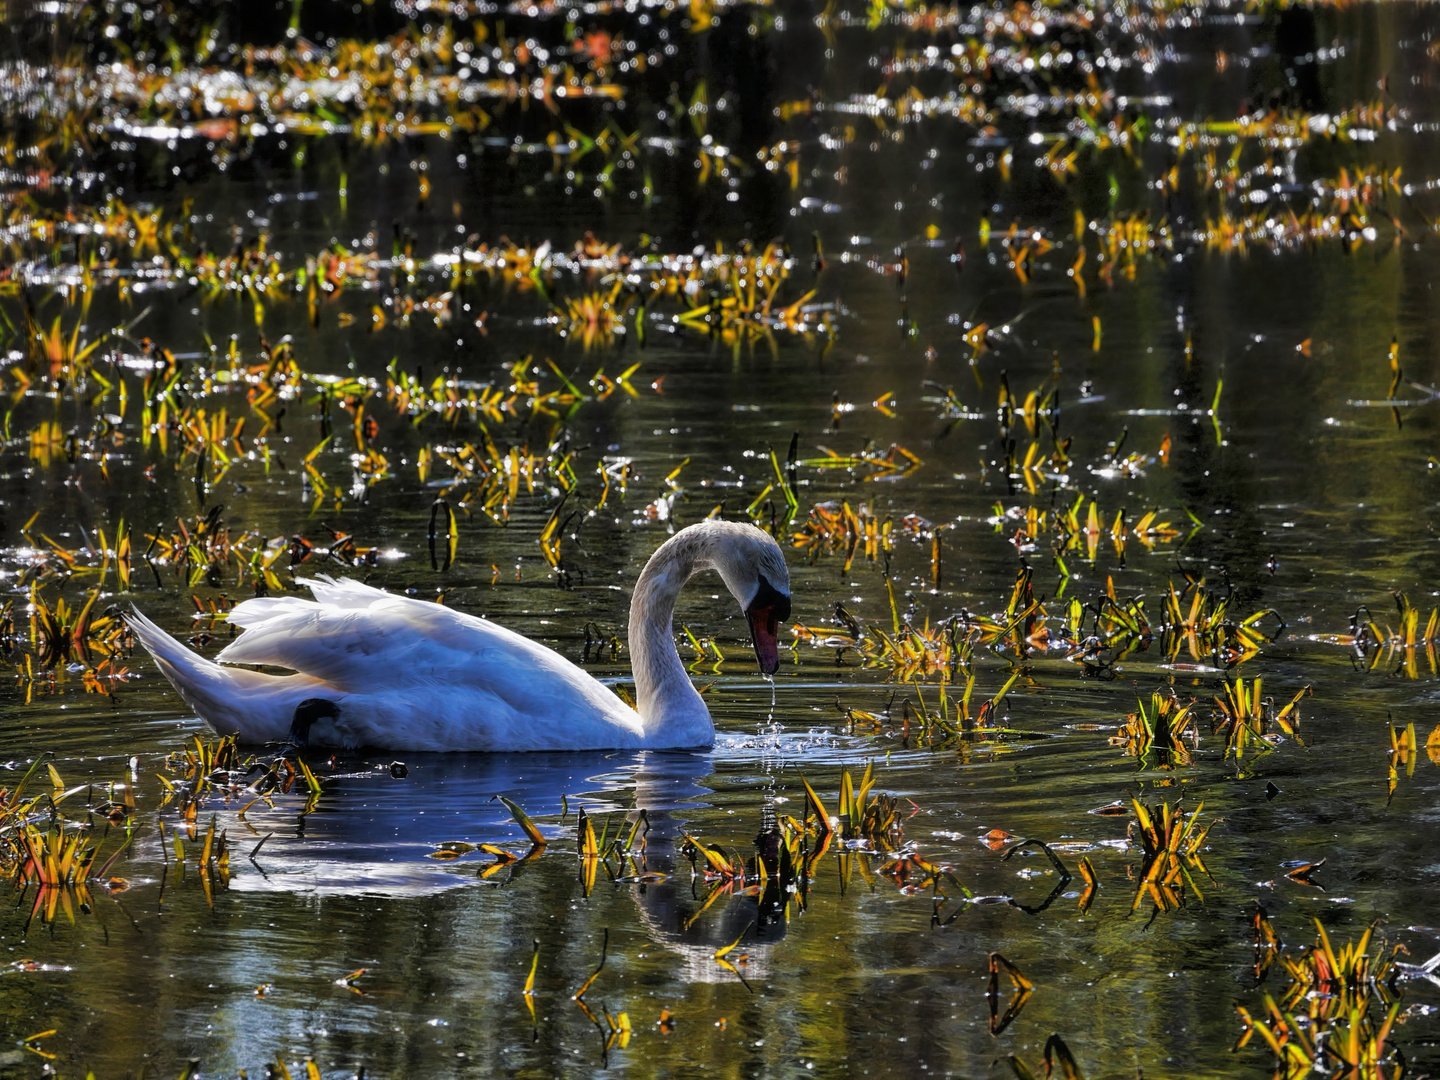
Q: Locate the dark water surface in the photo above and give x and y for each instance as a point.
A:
(1311, 490)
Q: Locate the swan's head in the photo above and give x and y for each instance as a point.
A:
(753, 567)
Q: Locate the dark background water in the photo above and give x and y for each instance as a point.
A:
(1315, 497)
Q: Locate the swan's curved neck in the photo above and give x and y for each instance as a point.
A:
(671, 711)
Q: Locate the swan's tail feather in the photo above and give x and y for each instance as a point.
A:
(259, 707)
(182, 666)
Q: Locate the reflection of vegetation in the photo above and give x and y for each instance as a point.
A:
(1243, 717)
(1400, 646)
(1333, 993)
(56, 854)
(1163, 727)
(865, 838)
(65, 634)
(1057, 1059)
(1171, 841)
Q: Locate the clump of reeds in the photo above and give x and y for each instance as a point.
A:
(1164, 727)
(1324, 1018)
(1171, 841)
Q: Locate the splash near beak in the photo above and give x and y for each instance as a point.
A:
(766, 612)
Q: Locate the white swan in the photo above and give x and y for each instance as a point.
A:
(394, 673)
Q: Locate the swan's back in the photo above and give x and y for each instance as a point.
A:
(450, 679)
(354, 636)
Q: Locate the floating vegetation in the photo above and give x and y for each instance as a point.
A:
(371, 91)
(63, 634)
(866, 836)
(831, 527)
(1163, 729)
(1025, 627)
(895, 463)
(478, 300)
(1243, 718)
(1171, 840)
(1327, 1015)
(1404, 751)
(735, 295)
(218, 770)
(43, 847)
(1401, 646)
(875, 822)
(1205, 626)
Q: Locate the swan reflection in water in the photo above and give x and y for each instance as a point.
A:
(374, 833)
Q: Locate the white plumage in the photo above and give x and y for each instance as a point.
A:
(397, 673)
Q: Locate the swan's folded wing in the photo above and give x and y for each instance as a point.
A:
(391, 640)
(344, 592)
(276, 616)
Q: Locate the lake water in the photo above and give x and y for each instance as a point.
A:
(330, 239)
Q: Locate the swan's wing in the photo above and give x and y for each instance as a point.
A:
(358, 637)
(344, 592)
(278, 613)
